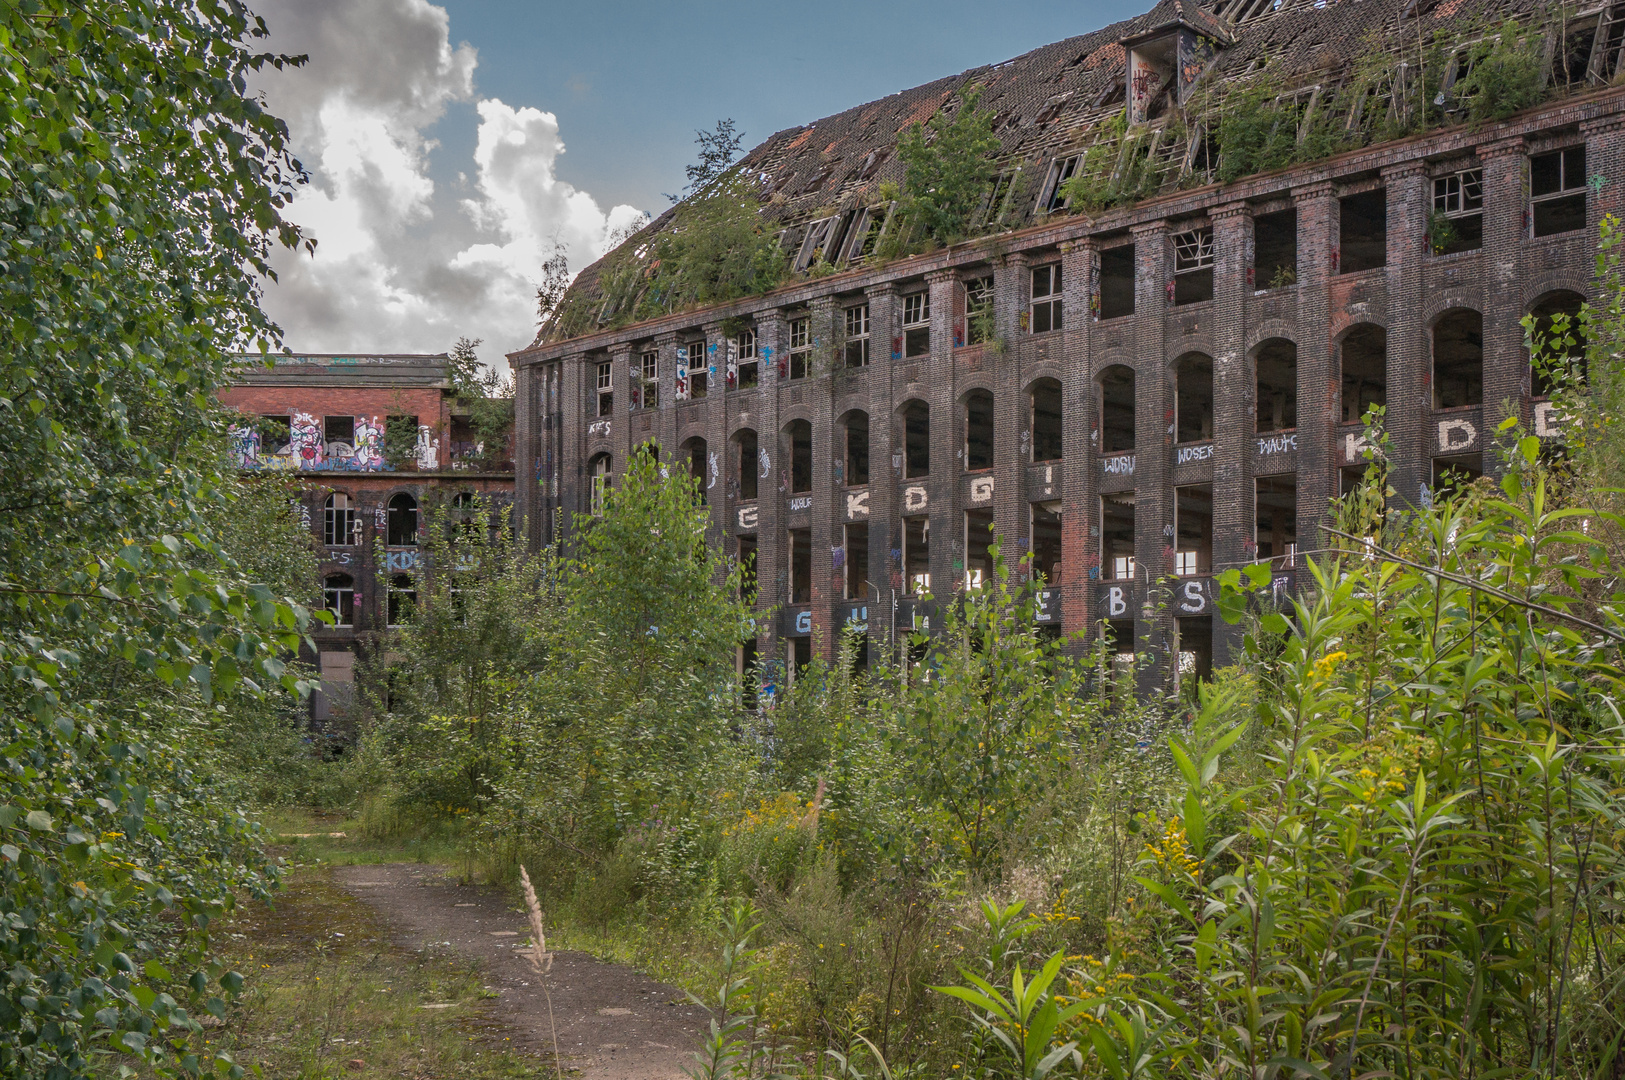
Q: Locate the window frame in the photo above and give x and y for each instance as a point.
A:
(606, 388)
(800, 351)
(1064, 169)
(699, 368)
(394, 615)
(646, 394)
(334, 599)
(748, 372)
(1044, 307)
(980, 293)
(1563, 192)
(1193, 250)
(1441, 199)
(917, 324)
(340, 521)
(857, 339)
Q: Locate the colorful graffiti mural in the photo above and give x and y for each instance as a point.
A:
(307, 451)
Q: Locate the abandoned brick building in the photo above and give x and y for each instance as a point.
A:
(1135, 391)
(375, 441)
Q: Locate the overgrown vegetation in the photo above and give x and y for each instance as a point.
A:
(949, 166)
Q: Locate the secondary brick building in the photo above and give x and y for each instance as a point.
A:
(1135, 397)
(375, 441)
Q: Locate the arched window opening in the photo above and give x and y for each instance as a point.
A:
(1458, 360)
(402, 602)
(339, 596)
(1046, 401)
(855, 432)
(1193, 374)
(1365, 371)
(401, 521)
(747, 467)
(799, 434)
(1557, 334)
(341, 525)
(978, 430)
(598, 474)
(695, 451)
(1116, 410)
(1277, 362)
(916, 439)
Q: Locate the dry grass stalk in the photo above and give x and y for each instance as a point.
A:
(541, 959)
(810, 822)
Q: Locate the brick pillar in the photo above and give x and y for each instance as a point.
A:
(947, 524)
(1012, 415)
(573, 440)
(1605, 167)
(772, 563)
(621, 434)
(1234, 390)
(526, 454)
(1410, 375)
(826, 534)
(1080, 547)
(715, 482)
(664, 432)
(1506, 362)
(884, 570)
(1318, 384)
(1153, 446)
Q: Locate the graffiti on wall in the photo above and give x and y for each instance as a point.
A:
(308, 451)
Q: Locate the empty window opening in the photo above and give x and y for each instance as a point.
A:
(1275, 514)
(694, 451)
(1047, 427)
(1193, 266)
(979, 325)
(606, 390)
(857, 336)
(855, 545)
(339, 597)
(464, 520)
(798, 653)
(401, 519)
(698, 370)
(401, 602)
(916, 439)
(598, 486)
(799, 434)
(1065, 168)
(1195, 648)
(749, 371)
(1044, 314)
(1117, 638)
(978, 430)
(856, 434)
(800, 347)
(917, 324)
(916, 555)
(1193, 530)
(1451, 476)
(1117, 536)
(1458, 360)
(747, 468)
(1349, 480)
(1557, 333)
(341, 525)
(978, 548)
(1117, 410)
(1362, 223)
(1365, 371)
(1457, 222)
(1557, 191)
(646, 380)
(746, 665)
(1275, 250)
(747, 569)
(1277, 385)
(800, 566)
(1194, 376)
(1117, 282)
(1046, 533)
(338, 429)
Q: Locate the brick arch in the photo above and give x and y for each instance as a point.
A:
(744, 422)
(1450, 300)
(1268, 330)
(793, 413)
(1115, 358)
(911, 392)
(1042, 371)
(1341, 328)
(849, 403)
(1197, 343)
(981, 382)
(1168, 364)
(693, 430)
(1556, 281)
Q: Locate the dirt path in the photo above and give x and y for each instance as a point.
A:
(613, 1022)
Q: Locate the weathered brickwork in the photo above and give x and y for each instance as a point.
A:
(1367, 316)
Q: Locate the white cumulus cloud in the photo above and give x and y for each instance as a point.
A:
(403, 264)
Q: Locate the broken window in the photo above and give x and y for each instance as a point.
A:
(819, 235)
(1365, 371)
(401, 520)
(1117, 282)
(401, 602)
(1116, 409)
(857, 336)
(856, 431)
(916, 439)
(800, 566)
(1046, 533)
(978, 310)
(978, 548)
(800, 347)
(1062, 171)
(464, 519)
(338, 429)
(1458, 359)
(978, 430)
(748, 374)
(338, 593)
(1193, 266)
(865, 233)
(855, 549)
(1117, 536)
(606, 390)
(1193, 374)
(745, 463)
(916, 324)
(646, 394)
(1046, 397)
(916, 555)
(1558, 332)
(1362, 231)
(1277, 361)
(1275, 250)
(698, 383)
(1003, 185)
(1275, 516)
(747, 569)
(1193, 530)
(1457, 223)
(799, 434)
(341, 525)
(1557, 191)
(1045, 312)
(598, 479)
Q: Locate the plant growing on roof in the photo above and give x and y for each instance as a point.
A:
(718, 250)
(1505, 74)
(949, 166)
